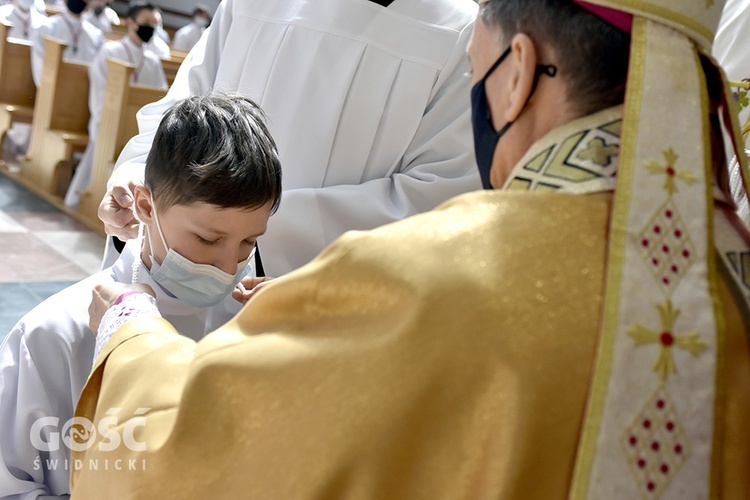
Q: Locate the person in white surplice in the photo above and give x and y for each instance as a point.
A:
(24, 17)
(233, 185)
(141, 23)
(101, 15)
(186, 37)
(83, 38)
(368, 103)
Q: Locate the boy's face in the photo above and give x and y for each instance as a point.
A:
(202, 233)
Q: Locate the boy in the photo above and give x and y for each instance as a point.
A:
(212, 181)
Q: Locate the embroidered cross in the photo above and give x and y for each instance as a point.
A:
(690, 342)
(598, 152)
(671, 173)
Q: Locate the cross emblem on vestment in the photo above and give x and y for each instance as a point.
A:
(689, 342)
(598, 152)
(671, 173)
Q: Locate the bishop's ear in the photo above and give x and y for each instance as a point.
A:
(523, 62)
(143, 205)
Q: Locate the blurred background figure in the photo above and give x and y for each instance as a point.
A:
(187, 37)
(101, 15)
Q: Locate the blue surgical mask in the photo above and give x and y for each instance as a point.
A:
(197, 285)
(485, 135)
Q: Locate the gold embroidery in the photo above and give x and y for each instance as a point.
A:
(690, 342)
(598, 152)
(671, 173)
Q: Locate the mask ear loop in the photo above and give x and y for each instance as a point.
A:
(158, 225)
(541, 69)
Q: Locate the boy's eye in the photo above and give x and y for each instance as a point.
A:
(205, 241)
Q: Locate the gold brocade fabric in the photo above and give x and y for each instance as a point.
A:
(445, 356)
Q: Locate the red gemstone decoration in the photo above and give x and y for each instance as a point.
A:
(675, 269)
(670, 426)
(665, 249)
(660, 403)
(647, 424)
(669, 214)
(655, 261)
(677, 233)
(686, 253)
(655, 445)
(657, 229)
(650, 486)
(664, 468)
(667, 339)
(670, 171)
(641, 463)
(665, 280)
(644, 242)
(633, 440)
(678, 449)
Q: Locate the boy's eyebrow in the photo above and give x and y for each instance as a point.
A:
(222, 233)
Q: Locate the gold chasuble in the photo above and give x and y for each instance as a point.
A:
(447, 356)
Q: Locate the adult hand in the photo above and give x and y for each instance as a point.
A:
(248, 287)
(116, 211)
(104, 296)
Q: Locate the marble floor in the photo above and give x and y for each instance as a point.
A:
(42, 251)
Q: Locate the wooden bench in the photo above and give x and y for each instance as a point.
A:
(17, 90)
(122, 100)
(59, 127)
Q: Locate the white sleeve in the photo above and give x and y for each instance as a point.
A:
(196, 76)
(438, 164)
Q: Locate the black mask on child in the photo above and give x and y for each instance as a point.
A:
(145, 33)
(98, 10)
(76, 6)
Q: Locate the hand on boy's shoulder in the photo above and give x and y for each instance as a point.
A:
(248, 287)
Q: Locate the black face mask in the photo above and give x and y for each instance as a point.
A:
(98, 10)
(485, 135)
(145, 33)
(76, 6)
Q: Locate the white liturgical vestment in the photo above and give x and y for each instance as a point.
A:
(186, 37)
(44, 363)
(24, 24)
(369, 107)
(83, 39)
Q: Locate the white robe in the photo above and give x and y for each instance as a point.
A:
(149, 72)
(369, 107)
(186, 37)
(732, 50)
(44, 364)
(159, 47)
(65, 27)
(104, 21)
(24, 23)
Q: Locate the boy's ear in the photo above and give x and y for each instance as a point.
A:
(144, 210)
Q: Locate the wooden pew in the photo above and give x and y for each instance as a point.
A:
(59, 127)
(122, 100)
(17, 90)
